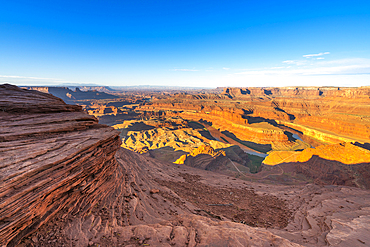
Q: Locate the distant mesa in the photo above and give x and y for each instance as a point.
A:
(68, 95)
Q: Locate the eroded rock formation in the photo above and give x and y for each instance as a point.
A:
(327, 114)
(345, 153)
(52, 154)
(69, 95)
(204, 157)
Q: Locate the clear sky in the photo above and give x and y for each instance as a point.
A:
(185, 43)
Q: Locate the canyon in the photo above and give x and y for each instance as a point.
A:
(284, 127)
(223, 167)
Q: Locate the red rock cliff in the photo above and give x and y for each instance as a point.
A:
(51, 155)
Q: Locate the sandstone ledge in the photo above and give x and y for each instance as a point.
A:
(51, 154)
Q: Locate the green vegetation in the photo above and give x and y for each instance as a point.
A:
(201, 129)
(224, 139)
(255, 163)
(263, 148)
(196, 125)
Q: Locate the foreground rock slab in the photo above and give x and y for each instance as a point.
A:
(51, 155)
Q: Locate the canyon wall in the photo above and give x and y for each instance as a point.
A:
(228, 120)
(326, 114)
(68, 95)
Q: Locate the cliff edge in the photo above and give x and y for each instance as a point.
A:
(51, 155)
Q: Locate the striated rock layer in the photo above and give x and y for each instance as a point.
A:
(326, 114)
(51, 155)
(345, 153)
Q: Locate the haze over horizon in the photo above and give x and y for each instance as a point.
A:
(192, 43)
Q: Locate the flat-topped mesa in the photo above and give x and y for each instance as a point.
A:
(348, 92)
(51, 155)
(67, 94)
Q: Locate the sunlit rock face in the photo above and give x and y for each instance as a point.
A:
(345, 153)
(52, 155)
(327, 114)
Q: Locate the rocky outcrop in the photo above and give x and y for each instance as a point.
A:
(323, 171)
(14, 100)
(206, 149)
(185, 139)
(340, 164)
(345, 153)
(104, 110)
(52, 155)
(203, 157)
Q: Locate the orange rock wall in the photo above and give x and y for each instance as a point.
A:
(341, 111)
(244, 132)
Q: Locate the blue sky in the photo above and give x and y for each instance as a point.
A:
(185, 43)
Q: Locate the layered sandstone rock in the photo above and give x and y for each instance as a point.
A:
(263, 133)
(340, 164)
(180, 139)
(51, 155)
(345, 153)
(202, 157)
(206, 149)
(323, 114)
